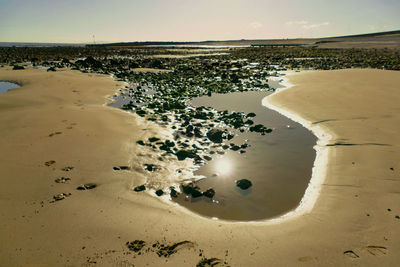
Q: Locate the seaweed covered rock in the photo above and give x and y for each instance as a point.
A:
(139, 188)
(243, 184)
(215, 135)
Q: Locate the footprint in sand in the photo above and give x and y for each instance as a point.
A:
(376, 250)
(372, 250)
(351, 254)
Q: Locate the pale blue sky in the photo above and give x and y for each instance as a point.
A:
(187, 20)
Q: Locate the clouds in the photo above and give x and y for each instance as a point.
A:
(255, 24)
(307, 25)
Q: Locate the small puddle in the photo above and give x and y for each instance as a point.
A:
(5, 86)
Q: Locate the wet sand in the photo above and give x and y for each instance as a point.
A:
(352, 223)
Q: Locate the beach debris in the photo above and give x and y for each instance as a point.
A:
(67, 168)
(204, 262)
(159, 192)
(351, 254)
(62, 180)
(139, 188)
(61, 196)
(49, 163)
(243, 184)
(87, 186)
(166, 251)
(135, 245)
(215, 135)
(209, 193)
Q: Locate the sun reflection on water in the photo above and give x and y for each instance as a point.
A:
(223, 166)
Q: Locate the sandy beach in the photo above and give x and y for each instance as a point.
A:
(62, 117)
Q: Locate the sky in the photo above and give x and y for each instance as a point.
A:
(88, 21)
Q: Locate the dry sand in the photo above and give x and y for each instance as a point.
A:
(359, 107)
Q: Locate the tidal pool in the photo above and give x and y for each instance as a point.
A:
(279, 165)
(5, 86)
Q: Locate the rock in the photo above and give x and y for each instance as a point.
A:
(150, 167)
(208, 158)
(86, 186)
(153, 139)
(159, 192)
(62, 180)
(124, 168)
(215, 135)
(49, 163)
(140, 142)
(251, 114)
(51, 69)
(243, 184)
(190, 189)
(209, 193)
(67, 169)
(173, 193)
(183, 154)
(136, 245)
(235, 148)
(61, 196)
(139, 188)
(18, 67)
(116, 169)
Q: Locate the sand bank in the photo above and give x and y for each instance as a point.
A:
(351, 223)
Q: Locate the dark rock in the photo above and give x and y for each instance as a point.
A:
(18, 67)
(209, 193)
(183, 154)
(51, 69)
(251, 114)
(136, 245)
(62, 180)
(116, 169)
(159, 192)
(207, 157)
(215, 135)
(86, 186)
(243, 184)
(139, 188)
(140, 142)
(153, 139)
(173, 193)
(49, 163)
(124, 168)
(191, 189)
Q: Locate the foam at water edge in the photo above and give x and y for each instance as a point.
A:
(318, 171)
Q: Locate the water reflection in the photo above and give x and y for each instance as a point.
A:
(278, 164)
(223, 166)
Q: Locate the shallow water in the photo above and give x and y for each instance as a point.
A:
(5, 86)
(278, 164)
